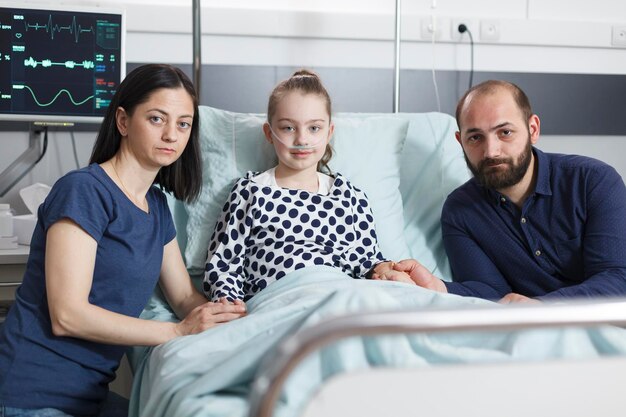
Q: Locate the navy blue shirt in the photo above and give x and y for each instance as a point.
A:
(39, 369)
(568, 239)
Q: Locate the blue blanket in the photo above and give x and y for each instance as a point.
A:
(209, 374)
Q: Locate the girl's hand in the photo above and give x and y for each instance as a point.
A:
(380, 269)
(397, 276)
(209, 315)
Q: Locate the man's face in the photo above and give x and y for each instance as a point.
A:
(496, 140)
(501, 173)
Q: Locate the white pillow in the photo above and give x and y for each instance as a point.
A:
(432, 166)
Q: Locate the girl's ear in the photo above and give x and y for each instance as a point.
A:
(331, 130)
(267, 132)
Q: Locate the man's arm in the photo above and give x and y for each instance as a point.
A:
(473, 271)
(604, 239)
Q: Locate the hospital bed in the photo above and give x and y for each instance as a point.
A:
(444, 350)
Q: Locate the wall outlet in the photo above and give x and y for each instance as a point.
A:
(619, 36)
(430, 26)
(489, 30)
(457, 36)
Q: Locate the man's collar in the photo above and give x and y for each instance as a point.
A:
(543, 173)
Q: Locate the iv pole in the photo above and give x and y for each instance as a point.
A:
(197, 40)
(396, 72)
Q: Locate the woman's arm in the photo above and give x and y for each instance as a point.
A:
(70, 260)
(180, 293)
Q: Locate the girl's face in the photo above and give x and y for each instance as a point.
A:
(158, 130)
(301, 120)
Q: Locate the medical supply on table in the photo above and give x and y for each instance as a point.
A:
(24, 224)
(7, 239)
(6, 220)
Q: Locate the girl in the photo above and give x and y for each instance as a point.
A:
(104, 238)
(292, 215)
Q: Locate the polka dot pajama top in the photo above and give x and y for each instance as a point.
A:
(265, 232)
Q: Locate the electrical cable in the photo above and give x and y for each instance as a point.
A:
(434, 31)
(462, 29)
(45, 145)
(74, 149)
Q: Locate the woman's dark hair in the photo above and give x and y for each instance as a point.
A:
(183, 178)
(309, 83)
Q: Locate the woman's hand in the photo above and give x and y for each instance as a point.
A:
(209, 315)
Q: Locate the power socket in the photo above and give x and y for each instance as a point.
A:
(456, 36)
(489, 30)
(619, 36)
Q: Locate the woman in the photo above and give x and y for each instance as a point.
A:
(104, 238)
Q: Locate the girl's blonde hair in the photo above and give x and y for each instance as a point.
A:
(308, 83)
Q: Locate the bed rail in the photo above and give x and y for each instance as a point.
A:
(274, 371)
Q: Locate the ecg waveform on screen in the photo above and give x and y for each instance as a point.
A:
(40, 104)
(46, 63)
(74, 28)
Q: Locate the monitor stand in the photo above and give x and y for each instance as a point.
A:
(23, 163)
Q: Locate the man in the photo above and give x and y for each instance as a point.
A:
(530, 225)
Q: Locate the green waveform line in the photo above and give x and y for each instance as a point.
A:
(50, 28)
(46, 63)
(76, 103)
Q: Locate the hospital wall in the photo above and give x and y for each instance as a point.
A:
(561, 52)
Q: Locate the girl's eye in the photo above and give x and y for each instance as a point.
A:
(315, 129)
(184, 125)
(156, 119)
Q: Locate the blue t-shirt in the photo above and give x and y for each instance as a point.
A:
(38, 369)
(567, 240)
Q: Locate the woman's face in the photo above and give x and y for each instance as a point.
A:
(300, 130)
(158, 130)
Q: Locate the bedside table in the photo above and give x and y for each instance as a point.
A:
(12, 267)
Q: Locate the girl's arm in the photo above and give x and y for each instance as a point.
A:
(70, 260)
(225, 273)
(370, 255)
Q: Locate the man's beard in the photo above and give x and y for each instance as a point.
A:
(499, 178)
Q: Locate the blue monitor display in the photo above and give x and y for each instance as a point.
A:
(59, 65)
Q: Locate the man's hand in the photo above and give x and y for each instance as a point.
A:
(516, 298)
(420, 275)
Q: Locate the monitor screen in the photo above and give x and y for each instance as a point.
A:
(59, 64)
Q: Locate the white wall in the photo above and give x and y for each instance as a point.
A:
(553, 36)
(535, 35)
